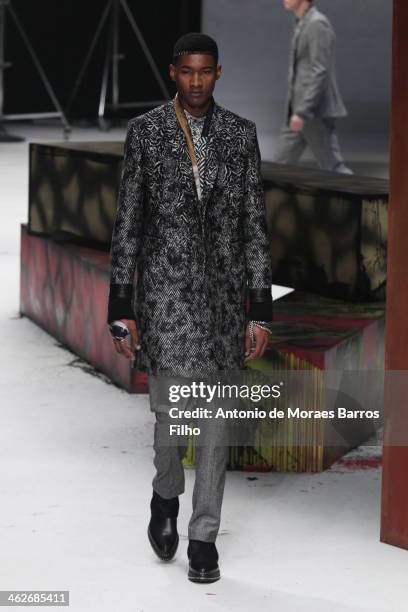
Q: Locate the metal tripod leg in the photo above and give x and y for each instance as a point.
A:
(146, 50)
(115, 55)
(43, 76)
(89, 54)
(103, 124)
(112, 58)
(4, 135)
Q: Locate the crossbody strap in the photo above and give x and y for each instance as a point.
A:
(189, 139)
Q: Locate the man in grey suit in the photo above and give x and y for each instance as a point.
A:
(314, 101)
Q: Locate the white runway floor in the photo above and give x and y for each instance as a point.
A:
(75, 485)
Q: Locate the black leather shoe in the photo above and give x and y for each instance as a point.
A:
(162, 530)
(203, 557)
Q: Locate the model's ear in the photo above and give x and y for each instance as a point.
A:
(219, 70)
(172, 72)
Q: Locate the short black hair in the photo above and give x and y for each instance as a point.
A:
(195, 43)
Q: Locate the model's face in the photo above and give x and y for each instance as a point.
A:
(292, 5)
(195, 76)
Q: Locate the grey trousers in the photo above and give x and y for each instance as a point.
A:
(210, 467)
(321, 137)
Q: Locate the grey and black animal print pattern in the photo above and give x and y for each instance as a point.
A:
(196, 260)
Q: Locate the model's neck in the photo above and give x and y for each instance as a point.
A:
(301, 10)
(199, 111)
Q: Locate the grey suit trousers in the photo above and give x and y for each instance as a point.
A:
(321, 137)
(211, 455)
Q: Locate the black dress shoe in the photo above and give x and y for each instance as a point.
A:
(203, 557)
(162, 530)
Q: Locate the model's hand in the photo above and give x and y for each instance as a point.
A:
(261, 342)
(296, 123)
(126, 348)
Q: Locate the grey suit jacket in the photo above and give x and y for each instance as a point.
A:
(313, 90)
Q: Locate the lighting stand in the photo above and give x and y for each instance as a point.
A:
(112, 59)
(5, 5)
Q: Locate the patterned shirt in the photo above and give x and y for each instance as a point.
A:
(196, 125)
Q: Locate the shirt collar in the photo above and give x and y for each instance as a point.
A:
(300, 19)
(208, 118)
(198, 120)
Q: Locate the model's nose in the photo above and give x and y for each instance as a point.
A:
(196, 80)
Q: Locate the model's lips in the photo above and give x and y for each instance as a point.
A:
(196, 94)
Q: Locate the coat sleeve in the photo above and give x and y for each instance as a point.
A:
(127, 229)
(256, 243)
(321, 45)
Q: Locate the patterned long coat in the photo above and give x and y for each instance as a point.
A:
(196, 260)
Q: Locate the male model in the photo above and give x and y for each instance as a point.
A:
(313, 101)
(191, 220)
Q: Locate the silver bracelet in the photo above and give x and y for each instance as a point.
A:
(262, 325)
(251, 336)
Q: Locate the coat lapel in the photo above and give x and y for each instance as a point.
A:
(307, 18)
(176, 144)
(176, 147)
(212, 159)
(176, 151)
(300, 26)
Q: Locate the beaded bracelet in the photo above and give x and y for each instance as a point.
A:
(261, 325)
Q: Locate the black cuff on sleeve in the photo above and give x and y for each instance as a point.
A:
(260, 305)
(120, 303)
